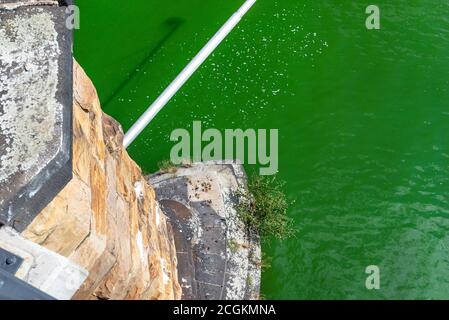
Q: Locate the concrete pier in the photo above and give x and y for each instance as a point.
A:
(35, 107)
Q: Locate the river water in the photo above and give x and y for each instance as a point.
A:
(363, 119)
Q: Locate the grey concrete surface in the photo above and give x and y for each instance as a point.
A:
(45, 270)
(35, 108)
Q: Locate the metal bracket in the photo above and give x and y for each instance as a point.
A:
(9, 262)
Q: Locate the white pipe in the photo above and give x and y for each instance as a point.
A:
(188, 71)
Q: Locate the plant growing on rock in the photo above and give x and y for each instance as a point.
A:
(263, 207)
(166, 166)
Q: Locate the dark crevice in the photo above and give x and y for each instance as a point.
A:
(65, 3)
(174, 24)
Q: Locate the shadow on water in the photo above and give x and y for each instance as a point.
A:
(173, 24)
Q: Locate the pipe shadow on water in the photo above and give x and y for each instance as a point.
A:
(173, 23)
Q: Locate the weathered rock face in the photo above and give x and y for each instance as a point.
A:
(107, 219)
(218, 257)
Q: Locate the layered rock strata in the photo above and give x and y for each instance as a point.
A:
(107, 219)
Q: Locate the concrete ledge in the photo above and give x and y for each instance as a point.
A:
(35, 108)
(46, 270)
(14, 4)
(218, 258)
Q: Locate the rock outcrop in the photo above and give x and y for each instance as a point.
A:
(218, 257)
(107, 219)
(35, 107)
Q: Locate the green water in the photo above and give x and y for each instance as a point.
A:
(363, 119)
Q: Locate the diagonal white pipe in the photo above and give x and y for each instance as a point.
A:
(185, 74)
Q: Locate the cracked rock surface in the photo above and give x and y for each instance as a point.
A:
(218, 258)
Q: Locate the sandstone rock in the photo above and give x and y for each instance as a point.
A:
(44, 269)
(107, 219)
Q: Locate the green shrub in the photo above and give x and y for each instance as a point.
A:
(265, 262)
(166, 166)
(263, 207)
